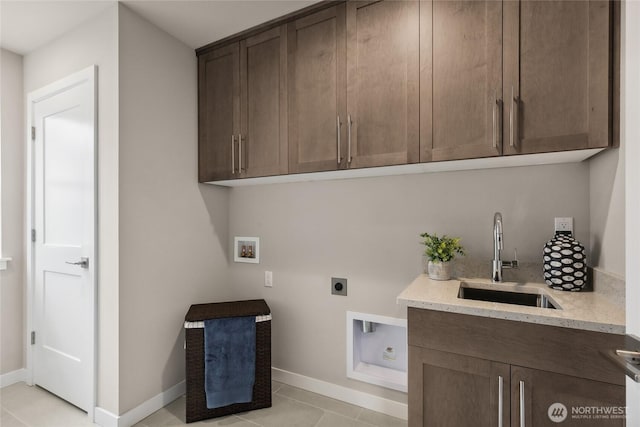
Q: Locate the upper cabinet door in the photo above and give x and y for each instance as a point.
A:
(262, 150)
(557, 76)
(317, 91)
(460, 79)
(218, 112)
(382, 83)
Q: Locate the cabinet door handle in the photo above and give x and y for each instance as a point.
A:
(522, 414)
(493, 122)
(500, 398)
(338, 126)
(240, 170)
(233, 154)
(514, 106)
(349, 139)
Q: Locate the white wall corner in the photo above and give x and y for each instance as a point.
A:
(17, 376)
(348, 395)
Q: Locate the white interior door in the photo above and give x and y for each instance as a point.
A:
(63, 115)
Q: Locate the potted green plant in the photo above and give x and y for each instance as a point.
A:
(440, 251)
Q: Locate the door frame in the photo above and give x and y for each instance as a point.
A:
(90, 75)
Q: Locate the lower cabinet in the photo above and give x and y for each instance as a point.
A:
(541, 398)
(474, 371)
(448, 389)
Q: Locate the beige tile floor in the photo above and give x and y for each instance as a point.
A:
(24, 406)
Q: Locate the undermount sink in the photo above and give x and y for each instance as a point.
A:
(481, 292)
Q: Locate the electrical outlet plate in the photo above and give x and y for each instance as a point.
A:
(338, 286)
(268, 279)
(564, 224)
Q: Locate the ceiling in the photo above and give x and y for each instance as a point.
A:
(26, 25)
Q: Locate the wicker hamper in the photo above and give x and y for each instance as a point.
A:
(196, 405)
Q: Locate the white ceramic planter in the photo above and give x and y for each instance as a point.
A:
(439, 270)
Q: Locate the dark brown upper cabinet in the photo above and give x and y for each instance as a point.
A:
(218, 112)
(262, 147)
(557, 75)
(317, 91)
(242, 108)
(382, 83)
(460, 79)
(357, 84)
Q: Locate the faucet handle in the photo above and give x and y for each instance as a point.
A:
(511, 264)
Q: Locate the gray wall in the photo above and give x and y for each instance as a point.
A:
(95, 42)
(367, 230)
(13, 157)
(607, 202)
(173, 232)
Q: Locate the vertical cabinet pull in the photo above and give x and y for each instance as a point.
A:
(500, 398)
(349, 139)
(338, 125)
(514, 106)
(495, 103)
(239, 153)
(522, 414)
(233, 154)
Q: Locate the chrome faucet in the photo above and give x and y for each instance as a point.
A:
(497, 263)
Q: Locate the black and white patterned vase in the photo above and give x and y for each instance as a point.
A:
(564, 263)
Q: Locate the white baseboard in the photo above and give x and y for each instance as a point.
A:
(105, 418)
(19, 375)
(355, 397)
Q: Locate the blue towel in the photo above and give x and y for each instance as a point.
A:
(229, 360)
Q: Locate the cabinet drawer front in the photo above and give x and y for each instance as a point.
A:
(562, 350)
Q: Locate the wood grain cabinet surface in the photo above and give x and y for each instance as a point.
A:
(460, 79)
(218, 112)
(382, 83)
(557, 75)
(359, 84)
(581, 400)
(474, 371)
(317, 91)
(353, 91)
(242, 104)
(456, 390)
(514, 77)
(262, 148)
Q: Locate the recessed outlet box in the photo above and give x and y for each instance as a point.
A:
(338, 286)
(564, 224)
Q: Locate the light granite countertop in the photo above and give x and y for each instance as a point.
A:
(593, 311)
